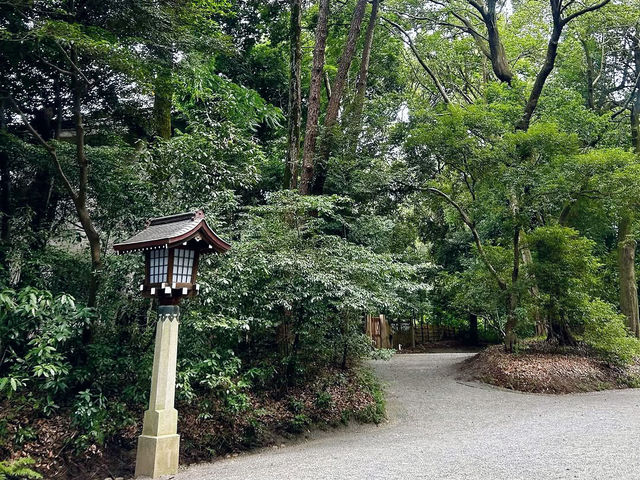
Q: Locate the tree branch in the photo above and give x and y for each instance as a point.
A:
(478, 7)
(50, 149)
(476, 237)
(583, 11)
(73, 64)
(426, 67)
(55, 67)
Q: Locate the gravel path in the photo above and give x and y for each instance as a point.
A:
(440, 428)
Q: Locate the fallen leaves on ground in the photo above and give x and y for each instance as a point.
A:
(540, 368)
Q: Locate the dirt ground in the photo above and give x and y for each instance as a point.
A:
(540, 369)
(442, 428)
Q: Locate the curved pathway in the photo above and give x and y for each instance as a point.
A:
(441, 428)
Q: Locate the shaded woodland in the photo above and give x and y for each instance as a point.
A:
(452, 160)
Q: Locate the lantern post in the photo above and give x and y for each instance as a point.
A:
(172, 246)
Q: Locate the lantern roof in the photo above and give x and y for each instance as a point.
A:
(173, 231)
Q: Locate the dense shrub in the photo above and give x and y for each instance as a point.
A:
(18, 470)
(605, 331)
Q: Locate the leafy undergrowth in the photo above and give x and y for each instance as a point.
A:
(539, 367)
(208, 430)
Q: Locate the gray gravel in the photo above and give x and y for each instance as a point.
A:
(441, 428)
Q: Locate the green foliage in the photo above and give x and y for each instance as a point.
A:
(40, 333)
(382, 354)
(294, 261)
(18, 469)
(564, 266)
(376, 412)
(605, 331)
(285, 306)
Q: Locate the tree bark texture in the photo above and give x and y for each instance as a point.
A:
(337, 90)
(162, 104)
(497, 54)
(541, 78)
(295, 96)
(559, 329)
(355, 118)
(627, 274)
(80, 199)
(635, 104)
(558, 8)
(313, 104)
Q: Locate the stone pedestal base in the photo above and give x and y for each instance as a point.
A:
(158, 446)
(157, 455)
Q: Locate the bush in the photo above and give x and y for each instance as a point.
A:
(382, 353)
(376, 412)
(606, 333)
(18, 470)
(40, 336)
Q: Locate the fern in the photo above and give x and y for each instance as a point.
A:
(18, 470)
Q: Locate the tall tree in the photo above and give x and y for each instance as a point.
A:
(561, 16)
(295, 96)
(497, 55)
(5, 186)
(313, 103)
(79, 194)
(634, 115)
(626, 242)
(627, 274)
(354, 119)
(337, 90)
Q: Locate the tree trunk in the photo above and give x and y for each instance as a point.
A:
(80, 200)
(512, 297)
(313, 104)
(57, 104)
(38, 197)
(295, 96)
(327, 85)
(5, 189)
(498, 56)
(337, 89)
(413, 332)
(627, 274)
(510, 338)
(355, 118)
(527, 259)
(559, 329)
(541, 78)
(626, 243)
(589, 74)
(635, 104)
(558, 8)
(473, 329)
(162, 103)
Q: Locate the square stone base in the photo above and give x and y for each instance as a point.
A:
(157, 455)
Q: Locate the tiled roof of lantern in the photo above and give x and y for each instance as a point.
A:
(172, 231)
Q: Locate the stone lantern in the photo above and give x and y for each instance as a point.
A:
(172, 246)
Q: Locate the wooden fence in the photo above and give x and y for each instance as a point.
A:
(422, 333)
